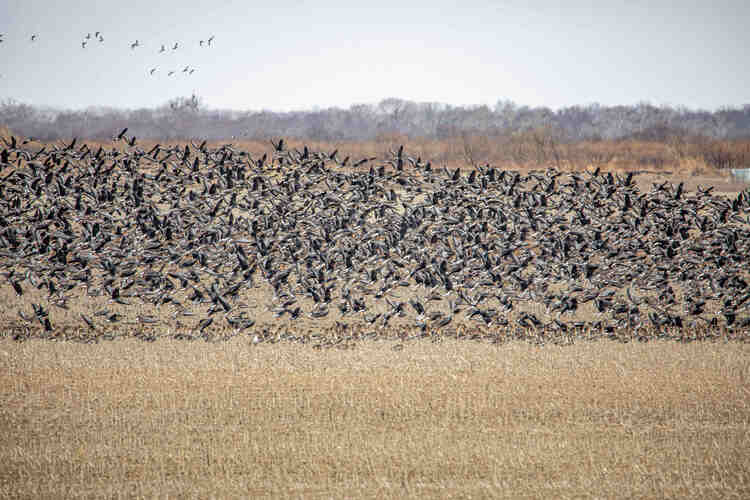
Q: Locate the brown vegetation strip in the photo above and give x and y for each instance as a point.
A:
(460, 419)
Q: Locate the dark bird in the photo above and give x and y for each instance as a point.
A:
(205, 323)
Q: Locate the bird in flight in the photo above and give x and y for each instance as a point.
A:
(135, 44)
(88, 36)
(170, 73)
(176, 44)
(210, 40)
(33, 38)
(153, 70)
(83, 44)
(191, 71)
(201, 43)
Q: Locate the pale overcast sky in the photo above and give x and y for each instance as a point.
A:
(297, 54)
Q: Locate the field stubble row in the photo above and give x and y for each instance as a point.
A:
(460, 419)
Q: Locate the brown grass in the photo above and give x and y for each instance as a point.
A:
(459, 419)
(383, 418)
(677, 154)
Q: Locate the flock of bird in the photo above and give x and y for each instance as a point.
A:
(191, 240)
(99, 37)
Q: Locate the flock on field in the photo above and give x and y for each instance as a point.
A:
(299, 245)
(89, 40)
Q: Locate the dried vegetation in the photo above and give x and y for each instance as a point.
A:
(331, 380)
(461, 419)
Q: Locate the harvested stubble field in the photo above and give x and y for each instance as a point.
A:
(366, 331)
(455, 419)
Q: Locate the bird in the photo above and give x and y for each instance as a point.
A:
(33, 38)
(210, 40)
(83, 44)
(205, 323)
(426, 251)
(162, 49)
(152, 71)
(170, 73)
(176, 44)
(135, 44)
(88, 321)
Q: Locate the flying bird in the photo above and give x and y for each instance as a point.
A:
(170, 73)
(33, 38)
(153, 70)
(210, 39)
(83, 44)
(135, 44)
(162, 49)
(176, 44)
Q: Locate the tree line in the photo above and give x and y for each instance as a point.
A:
(188, 118)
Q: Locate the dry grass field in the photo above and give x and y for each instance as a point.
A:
(318, 408)
(449, 420)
